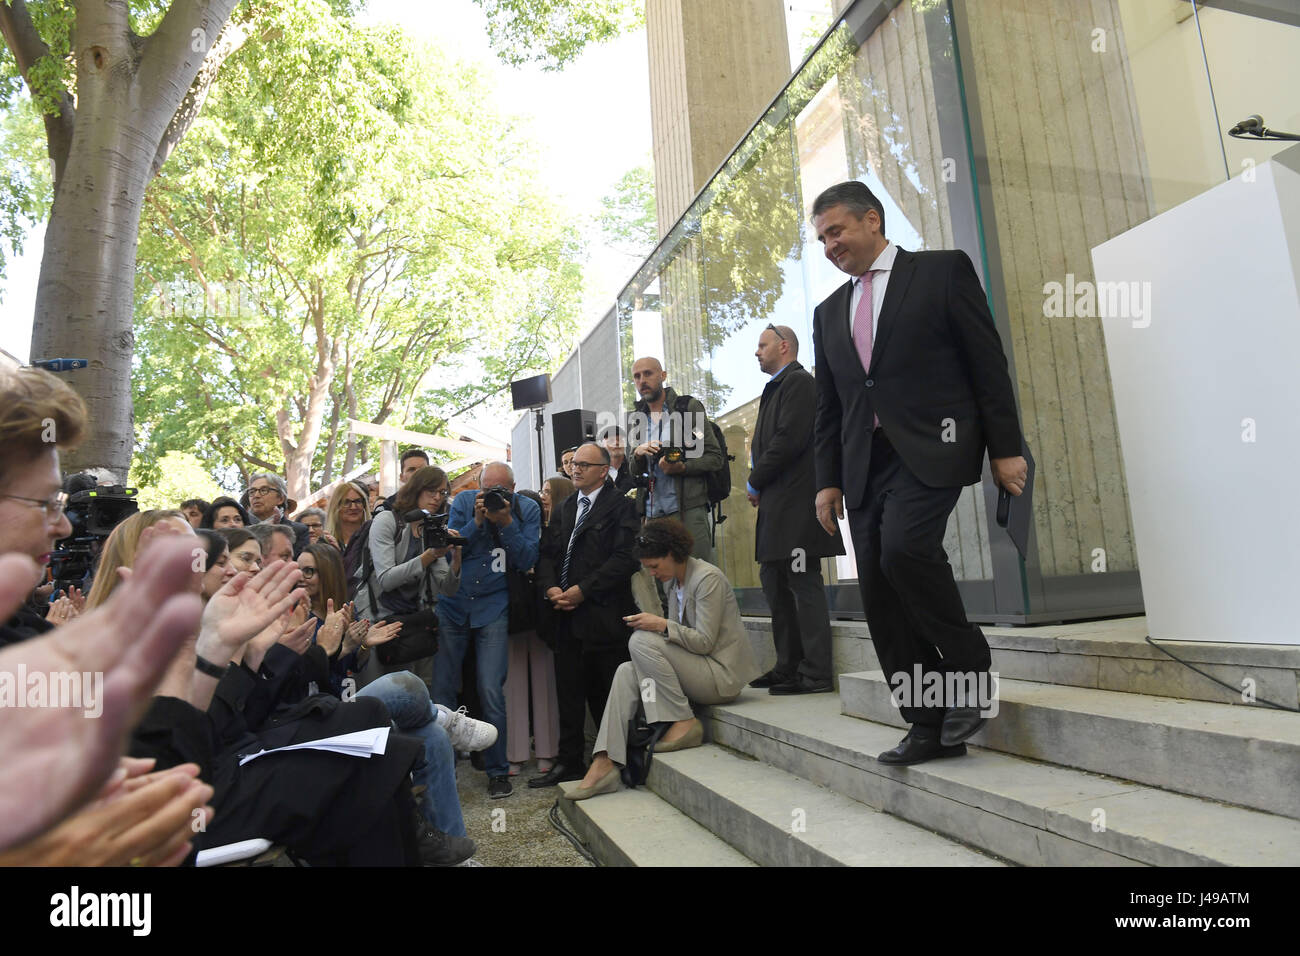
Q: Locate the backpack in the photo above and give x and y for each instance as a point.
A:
(718, 481)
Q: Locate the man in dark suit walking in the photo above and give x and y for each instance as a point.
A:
(585, 570)
(912, 387)
(788, 544)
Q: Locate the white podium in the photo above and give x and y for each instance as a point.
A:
(1207, 397)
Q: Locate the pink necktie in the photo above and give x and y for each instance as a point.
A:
(862, 328)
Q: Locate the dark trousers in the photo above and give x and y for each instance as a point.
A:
(801, 622)
(913, 608)
(583, 677)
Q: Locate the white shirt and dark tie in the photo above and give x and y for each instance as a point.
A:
(586, 501)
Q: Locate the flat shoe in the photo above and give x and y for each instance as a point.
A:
(606, 784)
(692, 738)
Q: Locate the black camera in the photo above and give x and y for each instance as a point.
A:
(93, 513)
(434, 533)
(497, 497)
(672, 454)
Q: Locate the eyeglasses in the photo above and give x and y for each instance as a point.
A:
(775, 331)
(53, 506)
(585, 464)
(261, 491)
(354, 502)
(308, 572)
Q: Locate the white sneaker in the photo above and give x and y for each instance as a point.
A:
(467, 734)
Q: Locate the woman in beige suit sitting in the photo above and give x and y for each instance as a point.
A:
(698, 653)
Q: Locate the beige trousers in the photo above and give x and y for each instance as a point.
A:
(665, 678)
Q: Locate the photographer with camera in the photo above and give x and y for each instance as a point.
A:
(502, 532)
(677, 452)
(409, 560)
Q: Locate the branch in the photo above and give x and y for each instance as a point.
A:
(231, 39)
(174, 56)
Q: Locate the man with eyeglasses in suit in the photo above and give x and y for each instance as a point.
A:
(585, 570)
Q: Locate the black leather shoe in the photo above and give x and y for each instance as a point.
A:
(920, 745)
(960, 723)
(802, 685)
(557, 775)
(768, 679)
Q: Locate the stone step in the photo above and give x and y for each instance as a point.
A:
(778, 819)
(1106, 655)
(637, 828)
(1238, 755)
(1026, 812)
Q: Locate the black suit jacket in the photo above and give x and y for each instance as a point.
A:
(783, 471)
(602, 566)
(938, 380)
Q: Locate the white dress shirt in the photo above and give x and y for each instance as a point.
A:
(880, 282)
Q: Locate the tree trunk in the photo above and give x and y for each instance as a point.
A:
(129, 91)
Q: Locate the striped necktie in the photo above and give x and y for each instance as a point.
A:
(583, 504)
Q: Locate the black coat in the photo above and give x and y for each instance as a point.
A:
(938, 379)
(602, 566)
(783, 471)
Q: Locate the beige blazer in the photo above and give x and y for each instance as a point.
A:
(712, 626)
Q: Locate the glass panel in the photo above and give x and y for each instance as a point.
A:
(745, 254)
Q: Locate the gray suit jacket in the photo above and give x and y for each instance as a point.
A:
(712, 626)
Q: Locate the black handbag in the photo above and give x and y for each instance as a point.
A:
(418, 637)
(641, 739)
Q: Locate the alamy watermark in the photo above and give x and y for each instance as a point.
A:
(1084, 299)
(62, 689)
(948, 689)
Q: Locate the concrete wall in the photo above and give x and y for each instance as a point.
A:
(1065, 161)
(714, 67)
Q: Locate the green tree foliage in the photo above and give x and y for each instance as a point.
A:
(628, 217)
(350, 230)
(171, 479)
(553, 33)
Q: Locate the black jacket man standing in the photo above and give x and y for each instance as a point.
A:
(788, 542)
(912, 387)
(585, 570)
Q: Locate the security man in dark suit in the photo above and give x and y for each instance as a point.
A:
(585, 571)
(789, 544)
(912, 387)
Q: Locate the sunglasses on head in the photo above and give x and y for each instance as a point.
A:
(775, 331)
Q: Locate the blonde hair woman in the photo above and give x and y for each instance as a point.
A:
(123, 545)
(348, 510)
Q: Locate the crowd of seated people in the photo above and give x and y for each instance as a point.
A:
(237, 626)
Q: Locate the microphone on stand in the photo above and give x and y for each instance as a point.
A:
(1251, 124)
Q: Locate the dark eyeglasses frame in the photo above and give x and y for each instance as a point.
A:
(775, 331)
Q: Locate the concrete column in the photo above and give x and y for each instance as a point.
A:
(714, 68)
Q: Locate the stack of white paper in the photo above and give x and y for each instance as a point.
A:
(361, 743)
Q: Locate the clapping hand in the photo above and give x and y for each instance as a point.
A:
(382, 633)
(355, 636)
(139, 818)
(244, 607)
(55, 758)
(61, 611)
(330, 635)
